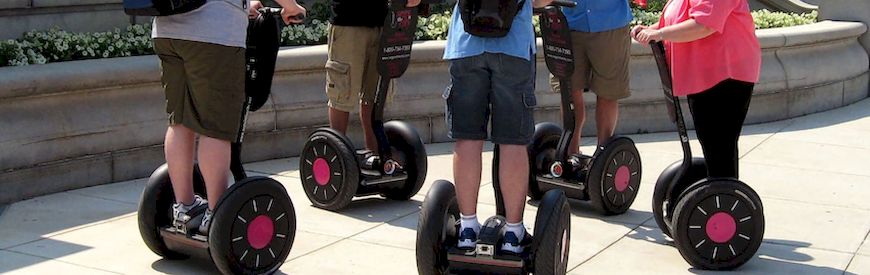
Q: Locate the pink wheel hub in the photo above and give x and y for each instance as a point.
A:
(321, 171)
(622, 178)
(721, 227)
(260, 232)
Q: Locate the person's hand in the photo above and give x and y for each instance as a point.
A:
(253, 10)
(646, 35)
(637, 29)
(290, 12)
(413, 3)
(542, 3)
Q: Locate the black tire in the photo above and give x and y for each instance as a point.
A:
(327, 147)
(155, 209)
(696, 172)
(436, 229)
(405, 139)
(614, 177)
(735, 217)
(253, 227)
(552, 236)
(542, 150)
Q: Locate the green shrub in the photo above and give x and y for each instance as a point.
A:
(38, 47)
(765, 19)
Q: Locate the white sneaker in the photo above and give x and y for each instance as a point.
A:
(180, 212)
(206, 223)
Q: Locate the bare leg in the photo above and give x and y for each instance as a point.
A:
(214, 162)
(365, 116)
(338, 120)
(178, 149)
(606, 116)
(579, 120)
(513, 176)
(466, 172)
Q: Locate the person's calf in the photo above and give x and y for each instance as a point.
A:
(513, 180)
(365, 116)
(338, 119)
(467, 166)
(606, 117)
(179, 151)
(214, 162)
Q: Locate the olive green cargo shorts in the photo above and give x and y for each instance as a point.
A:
(204, 85)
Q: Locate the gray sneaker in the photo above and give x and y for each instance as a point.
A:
(181, 213)
(206, 223)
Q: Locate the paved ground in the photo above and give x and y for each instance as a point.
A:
(812, 173)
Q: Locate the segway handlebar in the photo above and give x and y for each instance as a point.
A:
(564, 3)
(556, 3)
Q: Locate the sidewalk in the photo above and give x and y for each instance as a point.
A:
(812, 173)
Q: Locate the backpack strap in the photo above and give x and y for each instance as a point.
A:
(520, 6)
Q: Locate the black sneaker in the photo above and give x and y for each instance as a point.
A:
(467, 239)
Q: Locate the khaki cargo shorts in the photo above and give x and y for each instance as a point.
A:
(204, 85)
(600, 63)
(352, 67)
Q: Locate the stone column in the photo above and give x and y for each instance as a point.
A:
(848, 10)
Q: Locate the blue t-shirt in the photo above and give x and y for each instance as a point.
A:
(519, 42)
(598, 15)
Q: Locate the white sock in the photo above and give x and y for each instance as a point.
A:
(469, 222)
(517, 228)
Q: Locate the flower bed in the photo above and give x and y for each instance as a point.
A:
(39, 47)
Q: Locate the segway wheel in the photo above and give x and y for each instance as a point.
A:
(614, 177)
(552, 234)
(253, 227)
(696, 172)
(542, 150)
(405, 139)
(719, 225)
(155, 209)
(329, 171)
(436, 229)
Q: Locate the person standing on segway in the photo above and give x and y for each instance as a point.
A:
(491, 75)
(202, 54)
(602, 50)
(351, 67)
(715, 59)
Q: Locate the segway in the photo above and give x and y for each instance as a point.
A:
(609, 179)
(716, 223)
(437, 235)
(254, 222)
(333, 172)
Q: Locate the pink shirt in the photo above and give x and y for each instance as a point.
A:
(732, 51)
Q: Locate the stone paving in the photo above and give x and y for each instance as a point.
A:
(812, 173)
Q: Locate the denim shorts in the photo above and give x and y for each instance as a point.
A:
(496, 85)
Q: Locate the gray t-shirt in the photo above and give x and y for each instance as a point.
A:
(223, 22)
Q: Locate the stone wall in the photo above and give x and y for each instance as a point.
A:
(19, 16)
(82, 123)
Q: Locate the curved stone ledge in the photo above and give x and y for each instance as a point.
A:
(75, 124)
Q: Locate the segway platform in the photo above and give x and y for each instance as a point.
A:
(253, 225)
(609, 178)
(545, 253)
(333, 172)
(716, 223)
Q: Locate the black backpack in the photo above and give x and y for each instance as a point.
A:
(160, 7)
(489, 18)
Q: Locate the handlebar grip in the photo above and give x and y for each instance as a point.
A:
(564, 3)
